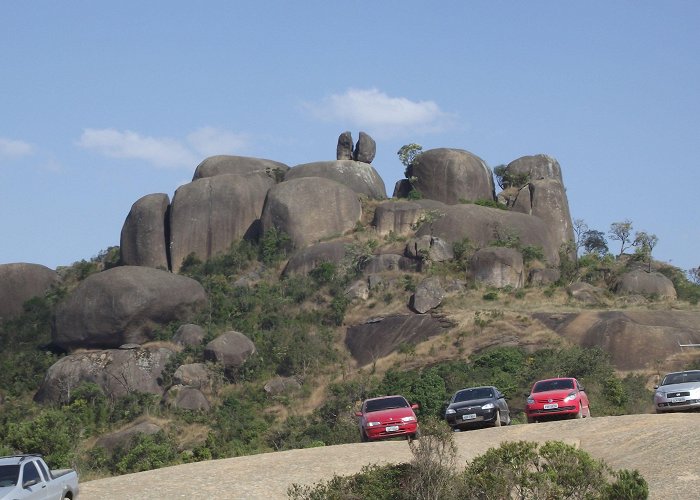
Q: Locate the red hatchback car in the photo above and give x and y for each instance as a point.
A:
(387, 417)
(557, 397)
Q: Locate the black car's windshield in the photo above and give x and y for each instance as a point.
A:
(471, 394)
(386, 404)
(681, 378)
(553, 385)
(9, 474)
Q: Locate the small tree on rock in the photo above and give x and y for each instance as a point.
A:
(621, 231)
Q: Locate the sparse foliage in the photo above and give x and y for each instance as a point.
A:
(621, 231)
(507, 179)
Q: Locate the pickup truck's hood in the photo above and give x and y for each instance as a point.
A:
(5, 492)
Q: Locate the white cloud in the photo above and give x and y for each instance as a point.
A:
(375, 111)
(209, 141)
(160, 151)
(14, 148)
(163, 151)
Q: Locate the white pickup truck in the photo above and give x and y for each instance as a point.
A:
(25, 477)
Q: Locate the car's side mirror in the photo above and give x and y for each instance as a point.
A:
(29, 483)
(415, 406)
(358, 413)
(656, 387)
(581, 388)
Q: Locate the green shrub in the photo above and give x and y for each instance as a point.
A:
(492, 295)
(146, 452)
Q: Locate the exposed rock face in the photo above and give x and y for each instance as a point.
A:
(308, 258)
(116, 371)
(209, 214)
(360, 177)
(379, 337)
(358, 290)
(586, 293)
(402, 188)
(482, 226)
(547, 200)
(541, 277)
(498, 267)
(344, 149)
(647, 284)
(536, 167)
(451, 175)
(634, 339)
(122, 438)
(144, 237)
(187, 398)
(282, 385)
(231, 349)
(124, 305)
(311, 209)
(242, 165)
(429, 248)
(189, 335)
(21, 282)
(388, 262)
(365, 149)
(398, 217)
(429, 294)
(193, 375)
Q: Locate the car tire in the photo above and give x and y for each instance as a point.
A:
(531, 420)
(579, 415)
(363, 437)
(497, 420)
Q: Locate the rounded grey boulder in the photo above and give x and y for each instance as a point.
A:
(122, 438)
(231, 349)
(358, 176)
(143, 241)
(451, 175)
(365, 149)
(124, 305)
(647, 284)
(536, 167)
(209, 214)
(189, 335)
(20, 282)
(498, 267)
(242, 165)
(306, 259)
(398, 217)
(311, 209)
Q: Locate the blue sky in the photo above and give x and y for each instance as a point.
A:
(104, 102)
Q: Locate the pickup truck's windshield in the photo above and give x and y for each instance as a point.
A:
(9, 474)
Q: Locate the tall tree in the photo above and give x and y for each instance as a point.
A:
(621, 231)
(594, 242)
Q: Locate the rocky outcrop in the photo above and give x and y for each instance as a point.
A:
(429, 248)
(536, 167)
(428, 295)
(365, 149)
(194, 375)
(242, 165)
(210, 213)
(187, 398)
(640, 282)
(483, 225)
(586, 293)
(543, 276)
(344, 149)
(635, 340)
(358, 176)
(451, 175)
(379, 337)
(230, 349)
(306, 259)
(398, 217)
(124, 305)
(282, 385)
(122, 438)
(144, 237)
(388, 262)
(189, 335)
(116, 371)
(498, 267)
(310, 209)
(20, 282)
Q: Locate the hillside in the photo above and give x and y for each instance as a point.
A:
(661, 447)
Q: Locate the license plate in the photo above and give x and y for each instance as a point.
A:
(551, 406)
(392, 428)
(677, 400)
(469, 416)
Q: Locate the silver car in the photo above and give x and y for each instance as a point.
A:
(678, 391)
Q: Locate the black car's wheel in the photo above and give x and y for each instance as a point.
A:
(497, 420)
(363, 437)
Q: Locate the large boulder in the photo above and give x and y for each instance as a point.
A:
(143, 239)
(640, 282)
(379, 337)
(451, 175)
(428, 295)
(20, 282)
(124, 305)
(306, 259)
(122, 438)
(189, 335)
(344, 148)
(365, 149)
(498, 267)
(194, 375)
(231, 349)
(484, 225)
(116, 371)
(187, 398)
(358, 176)
(635, 340)
(209, 214)
(398, 217)
(227, 164)
(536, 167)
(311, 209)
